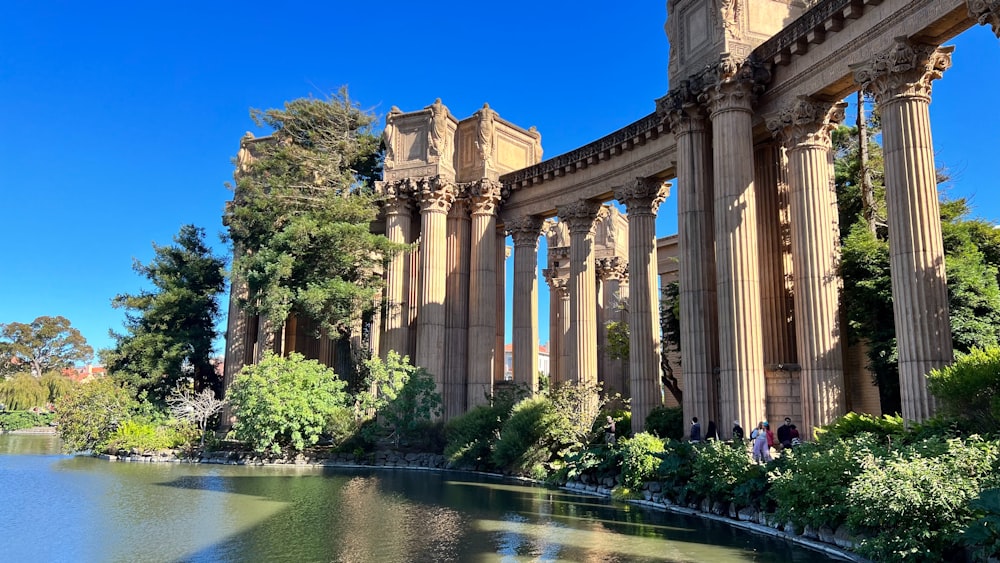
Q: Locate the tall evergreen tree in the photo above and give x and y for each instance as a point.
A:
(170, 330)
(301, 219)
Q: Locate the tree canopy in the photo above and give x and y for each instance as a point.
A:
(45, 344)
(170, 330)
(302, 212)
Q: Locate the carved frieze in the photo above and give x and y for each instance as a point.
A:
(807, 122)
(986, 12)
(905, 70)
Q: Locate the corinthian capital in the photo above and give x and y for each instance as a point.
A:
(580, 216)
(525, 230)
(732, 83)
(436, 194)
(485, 196)
(612, 268)
(807, 122)
(643, 196)
(986, 12)
(905, 70)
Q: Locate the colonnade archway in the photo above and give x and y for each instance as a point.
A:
(743, 136)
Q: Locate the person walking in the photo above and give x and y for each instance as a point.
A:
(695, 435)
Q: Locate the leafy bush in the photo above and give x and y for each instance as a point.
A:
(666, 422)
(983, 534)
(57, 384)
(405, 397)
(888, 428)
(90, 412)
(970, 388)
(913, 505)
(528, 437)
(22, 392)
(718, 469)
(17, 420)
(143, 436)
(284, 402)
(638, 459)
(470, 438)
(676, 469)
(810, 483)
(341, 426)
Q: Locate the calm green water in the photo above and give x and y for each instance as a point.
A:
(62, 508)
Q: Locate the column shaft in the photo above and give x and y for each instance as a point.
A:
(436, 200)
(397, 280)
(642, 197)
(482, 293)
(525, 232)
(582, 339)
(457, 310)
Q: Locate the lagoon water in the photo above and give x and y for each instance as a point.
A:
(70, 508)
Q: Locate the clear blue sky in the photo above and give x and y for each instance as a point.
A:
(120, 119)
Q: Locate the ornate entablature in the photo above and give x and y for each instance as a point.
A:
(986, 12)
(636, 133)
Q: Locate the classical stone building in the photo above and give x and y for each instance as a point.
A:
(743, 137)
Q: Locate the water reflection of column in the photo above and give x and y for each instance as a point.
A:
(901, 80)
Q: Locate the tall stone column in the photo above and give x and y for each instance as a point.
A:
(398, 217)
(741, 373)
(525, 232)
(805, 128)
(986, 12)
(557, 289)
(484, 196)
(774, 249)
(699, 326)
(613, 273)
(582, 339)
(456, 308)
(901, 80)
(642, 197)
(436, 197)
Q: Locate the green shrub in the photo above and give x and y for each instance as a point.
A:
(638, 458)
(470, 438)
(527, 438)
(913, 505)
(888, 428)
(676, 469)
(18, 420)
(983, 534)
(143, 436)
(718, 469)
(810, 483)
(340, 425)
(284, 402)
(970, 388)
(57, 384)
(666, 422)
(405, 399)
(89, 413)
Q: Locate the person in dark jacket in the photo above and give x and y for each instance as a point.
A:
(785, 434)
(695, 430)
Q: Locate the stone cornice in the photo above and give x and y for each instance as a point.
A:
(622, 140)
(905, 70)
(986, 12)
(807, 122)
(827, 16)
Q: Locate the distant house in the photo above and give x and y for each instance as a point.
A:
(508, 361)
(84, 373)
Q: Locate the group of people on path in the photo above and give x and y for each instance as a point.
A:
(762, 439)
